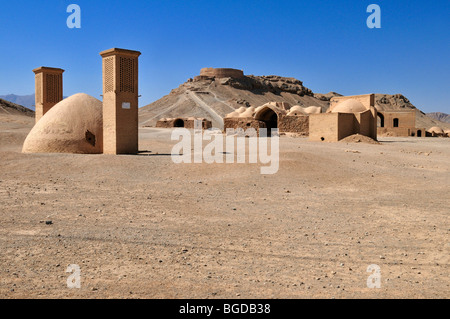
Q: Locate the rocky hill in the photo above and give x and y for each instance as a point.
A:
(443, 117)
(213, 98)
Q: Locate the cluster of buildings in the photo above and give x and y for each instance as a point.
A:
(83, 124)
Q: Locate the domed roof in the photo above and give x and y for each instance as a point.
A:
(349, 106)
(248, 113)
(233, 114)
(312, 110)
(296, 110)
(74, 125)
(242, 109)
(299, 110)
(436, 130)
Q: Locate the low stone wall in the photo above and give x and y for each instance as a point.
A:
(182, 122)
(401, 132)
(189, 123)
(166, 123)
(294, 124)
(286, 124)
(243, 123)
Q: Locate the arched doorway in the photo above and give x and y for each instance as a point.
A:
(395, 122)
(178, 123)
(380, 122)
(269, 117)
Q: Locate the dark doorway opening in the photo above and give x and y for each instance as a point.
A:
(395, 122)
(178, 123)
(419, 133)
(270, 118)
(380, 122)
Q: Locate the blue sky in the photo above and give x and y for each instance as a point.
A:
(325, 44)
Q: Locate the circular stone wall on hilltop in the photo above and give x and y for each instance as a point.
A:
(222, 73)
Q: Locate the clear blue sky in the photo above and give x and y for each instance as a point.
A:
(325, 44)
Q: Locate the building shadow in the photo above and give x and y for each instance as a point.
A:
(150, 153)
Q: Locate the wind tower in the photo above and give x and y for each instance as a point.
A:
(48, 89)
(120, 101)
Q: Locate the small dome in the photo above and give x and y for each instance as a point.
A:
(74, 125)
(248, 113)
(435, 130)
(312, 110)
(242, 109)
(349, 106)
(295, 111)
(233, 114)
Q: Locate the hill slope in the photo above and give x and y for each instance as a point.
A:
(16, 122)
(25, 100)
(9, 108)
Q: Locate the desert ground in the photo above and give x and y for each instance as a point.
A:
(144, 227)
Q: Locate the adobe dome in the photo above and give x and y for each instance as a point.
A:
(349, 106)
(436, 130)
(312, 110)
(233, 114)
(248, 113)
(296, 110)
(74, 125)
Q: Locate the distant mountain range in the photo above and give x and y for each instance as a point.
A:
(24, 100)
(443, 117)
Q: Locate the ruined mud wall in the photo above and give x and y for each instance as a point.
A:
(294, 124)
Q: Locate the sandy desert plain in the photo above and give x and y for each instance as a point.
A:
(144, 227)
